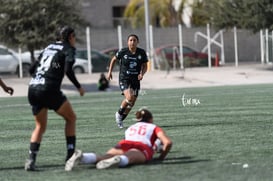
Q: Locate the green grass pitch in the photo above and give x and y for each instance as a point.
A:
(219, 133)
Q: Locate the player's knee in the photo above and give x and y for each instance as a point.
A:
(130, 103)
(71, 118)
(40, 129)
(74, 118)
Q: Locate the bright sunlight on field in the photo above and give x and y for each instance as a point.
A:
(216, 132)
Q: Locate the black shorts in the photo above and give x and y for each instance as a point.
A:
(39, 99)
(130, 84)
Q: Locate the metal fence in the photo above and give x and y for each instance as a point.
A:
(232, 46)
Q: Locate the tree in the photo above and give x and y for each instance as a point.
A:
(259, 15)
(31, 24)
(247, 14)
(162, 13)
(199, 16)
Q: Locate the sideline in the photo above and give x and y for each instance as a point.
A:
(191, 77)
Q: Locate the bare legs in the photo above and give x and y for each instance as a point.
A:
(69, 116)
(127, 103)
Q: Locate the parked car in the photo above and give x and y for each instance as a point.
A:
(165, 56)
(9, 61)
(112, 52)
(100, 61)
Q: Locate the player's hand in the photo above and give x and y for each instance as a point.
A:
(140, 77)
(9, 90)
(81, 91)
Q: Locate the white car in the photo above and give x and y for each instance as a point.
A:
(100, 62)
(9, 61)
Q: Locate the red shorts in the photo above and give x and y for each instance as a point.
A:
(126, 145)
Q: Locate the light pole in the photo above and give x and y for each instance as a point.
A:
(147, 23)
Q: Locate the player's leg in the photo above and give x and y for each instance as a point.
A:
(127, 152)
(128, 102)
(130, 91)
(40, 126)
(66, 111)
(131, 95)
(133, 156)
(89, 158)
(36, 138)
(123, 85)
(125, 107)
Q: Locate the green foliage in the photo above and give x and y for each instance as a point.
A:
(245, 14)
(31, 24)
(222, 14)
(199, 14)
(162, 13)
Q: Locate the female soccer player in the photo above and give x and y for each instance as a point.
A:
(135, 148)
(133, 66)
(45, 92)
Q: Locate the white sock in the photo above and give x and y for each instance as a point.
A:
(88, 158)
(124, 161)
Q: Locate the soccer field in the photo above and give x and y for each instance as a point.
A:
(218, 133)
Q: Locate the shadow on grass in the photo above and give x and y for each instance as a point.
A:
(39, 167)
(178, 160)
(167, 161)
(199, 124)
(88, 87)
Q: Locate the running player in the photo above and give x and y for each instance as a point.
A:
(133, 66)
(136, 148)
(6, 88)
(45, 92)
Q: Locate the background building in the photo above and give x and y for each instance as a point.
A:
(104, 13)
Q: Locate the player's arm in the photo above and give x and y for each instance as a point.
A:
(111, 66)
(69, 62)
(71, 75)
(35, 64)
(167, 144)
(142, 71)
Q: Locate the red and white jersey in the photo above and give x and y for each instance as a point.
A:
(142, 132)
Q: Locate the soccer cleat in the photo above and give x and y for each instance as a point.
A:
(120, 125)
(109, 163)
(30, 165)
(119, 120)
(73, 160)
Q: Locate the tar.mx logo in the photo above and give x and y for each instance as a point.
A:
(142, 92)
(188, 101)
(138, 92)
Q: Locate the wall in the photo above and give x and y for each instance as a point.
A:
(248, 43)
(99, 12)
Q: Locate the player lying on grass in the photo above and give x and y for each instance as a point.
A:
(135, 148)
